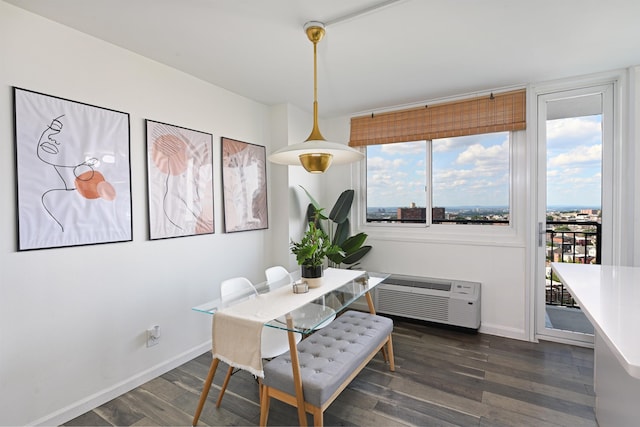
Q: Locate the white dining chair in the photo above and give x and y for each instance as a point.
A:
(276, 274)
(274, 341)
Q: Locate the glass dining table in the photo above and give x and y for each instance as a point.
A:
(310, 315)
(277, 305)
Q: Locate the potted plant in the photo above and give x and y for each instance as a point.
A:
(352, 248)
(311, 252)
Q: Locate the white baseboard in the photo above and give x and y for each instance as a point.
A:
(502, 331)
(84, 405)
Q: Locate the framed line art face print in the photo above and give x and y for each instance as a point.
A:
(244, 183)
(180, 181)
(73, 172)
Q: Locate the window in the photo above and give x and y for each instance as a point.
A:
(459, 180)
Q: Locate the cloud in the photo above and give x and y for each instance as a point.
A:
(471, 170)
(481, 157)
(445, 145)
(466, 170)
(578, 155)
(375, 164)
(575, 128)
(394, 182)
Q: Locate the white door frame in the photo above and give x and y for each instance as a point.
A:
(613, 185)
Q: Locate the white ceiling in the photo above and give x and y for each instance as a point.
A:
(404, 52)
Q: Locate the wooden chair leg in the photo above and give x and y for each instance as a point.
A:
(265, 399)
(224, 386)
(205, 389)
(372, 310)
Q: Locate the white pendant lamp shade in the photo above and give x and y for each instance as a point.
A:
(340, 154)
(315, 154)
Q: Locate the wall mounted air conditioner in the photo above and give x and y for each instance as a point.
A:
(451, 302)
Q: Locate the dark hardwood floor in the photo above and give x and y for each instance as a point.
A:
(443, 378)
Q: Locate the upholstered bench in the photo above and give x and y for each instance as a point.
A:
(328, 361)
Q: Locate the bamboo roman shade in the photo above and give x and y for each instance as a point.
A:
(492, 113)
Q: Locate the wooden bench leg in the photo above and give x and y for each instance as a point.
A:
(224, 386)
(318, 417)
(392, 365)
(205, 389)
(384, 355)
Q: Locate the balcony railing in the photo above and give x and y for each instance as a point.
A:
(574, 242)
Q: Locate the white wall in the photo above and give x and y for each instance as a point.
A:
(73, 320)
(278, 199)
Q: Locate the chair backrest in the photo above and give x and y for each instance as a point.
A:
(277, 276)
(236, 289)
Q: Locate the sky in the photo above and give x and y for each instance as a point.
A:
(474, 170)
(574, 161)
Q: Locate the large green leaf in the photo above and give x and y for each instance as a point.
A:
(353, 243)
(336, 258)
(342, 233)
(341, 209)
(357, 255)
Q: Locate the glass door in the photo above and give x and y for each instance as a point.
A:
(573, 151)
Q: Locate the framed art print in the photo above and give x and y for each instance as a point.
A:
(180, 181)
(244, 183)
(73, 172)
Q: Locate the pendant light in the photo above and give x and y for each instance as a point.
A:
(315, 154)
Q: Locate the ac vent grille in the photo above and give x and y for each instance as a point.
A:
(420, 284)
(452, 302)
(431, 307)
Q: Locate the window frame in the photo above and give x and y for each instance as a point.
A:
(511, 234)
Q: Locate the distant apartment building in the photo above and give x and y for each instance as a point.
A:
(416, 214)
(437, 213)
(412, 213)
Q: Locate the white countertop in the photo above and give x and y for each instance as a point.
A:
(610, 298)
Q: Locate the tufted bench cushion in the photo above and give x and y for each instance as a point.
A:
(329, 356)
